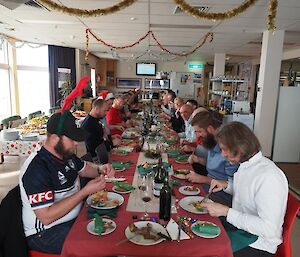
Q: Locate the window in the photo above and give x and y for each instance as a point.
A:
(5, 96)
(33, 91)
(33, 79)
(5, 99)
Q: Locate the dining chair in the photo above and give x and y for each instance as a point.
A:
(17, 123)
(40, 254)
(35, 114)
(5, 122)
(293, 206)
(102, 153)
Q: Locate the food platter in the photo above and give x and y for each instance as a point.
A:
(105, 200)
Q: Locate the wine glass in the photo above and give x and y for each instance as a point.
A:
(145, 187)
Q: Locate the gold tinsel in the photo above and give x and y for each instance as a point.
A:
(231, 13)
(214, 16)
(272, 14)
(87, 13)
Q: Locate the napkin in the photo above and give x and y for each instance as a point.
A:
(206, 228)
(182, 157)
(98, 224)
(102, 212)
(120, 165)
(173, 153)
(172, 228)
(120, 151)
(124, 186)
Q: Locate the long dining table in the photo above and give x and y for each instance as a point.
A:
(80, 243)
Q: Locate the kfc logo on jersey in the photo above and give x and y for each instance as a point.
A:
(40, 197)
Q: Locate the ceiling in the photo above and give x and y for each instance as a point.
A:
(240, 37)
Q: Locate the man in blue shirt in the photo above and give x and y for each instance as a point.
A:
(218, 167)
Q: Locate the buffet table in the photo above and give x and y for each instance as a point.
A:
(82, 244)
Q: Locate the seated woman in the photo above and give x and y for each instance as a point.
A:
(260, 191)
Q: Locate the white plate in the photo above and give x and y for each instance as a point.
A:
(115, 179)
(204, 234)
(125, 148)
(179, 175)
(185, 203)
(185, 192)
(120, 192)
(111, 196)
(91, 227)
(139, 239)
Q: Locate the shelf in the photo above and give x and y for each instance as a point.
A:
(227, 81)
(216, 93)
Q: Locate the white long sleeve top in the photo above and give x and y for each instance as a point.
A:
(260, 192)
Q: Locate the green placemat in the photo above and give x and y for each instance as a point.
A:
(124, 186)
(182, 157)
(102, 212)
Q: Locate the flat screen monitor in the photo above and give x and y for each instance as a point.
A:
(146, 69)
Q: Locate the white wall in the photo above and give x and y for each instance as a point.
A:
(128, 69)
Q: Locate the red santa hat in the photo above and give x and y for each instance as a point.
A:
(106, 95)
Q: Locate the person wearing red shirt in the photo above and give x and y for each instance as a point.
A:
(114, 117)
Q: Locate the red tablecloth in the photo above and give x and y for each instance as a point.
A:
(82, 244)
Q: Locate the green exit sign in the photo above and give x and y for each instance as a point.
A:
(195, 66)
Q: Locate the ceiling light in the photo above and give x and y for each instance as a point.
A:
(132, 18)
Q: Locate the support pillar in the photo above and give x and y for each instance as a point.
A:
(268, 87)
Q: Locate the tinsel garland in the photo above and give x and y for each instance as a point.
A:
(214, 16)
(87, 13)
(272, 14)
(230, 13)
(149, 33)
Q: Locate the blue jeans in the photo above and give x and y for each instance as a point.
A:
(219, 197)
(50, 240)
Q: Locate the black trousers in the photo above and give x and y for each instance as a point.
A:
(252, 252)
(199, 169)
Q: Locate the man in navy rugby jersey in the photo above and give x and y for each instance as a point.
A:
(50, 188)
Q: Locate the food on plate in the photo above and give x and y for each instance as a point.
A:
(146, 232)
(146, 165)
(182, 172)
(197, 205)
(190, 188)
(100, 199)
(79, 113)
(107, 225)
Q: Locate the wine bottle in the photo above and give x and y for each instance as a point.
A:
(165, 199)
(158, 179)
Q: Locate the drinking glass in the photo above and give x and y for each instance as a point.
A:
(145, 187)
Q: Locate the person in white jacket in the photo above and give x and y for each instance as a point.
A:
(259, 189)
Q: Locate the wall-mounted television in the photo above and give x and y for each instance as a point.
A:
(146, 69)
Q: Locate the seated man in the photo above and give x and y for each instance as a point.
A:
(217, 166)
(109, 98)
(188, 135)
(49, 185)
(260, 193)
(176, 119)
(193, 103)
(93, 126)
(114, 116)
